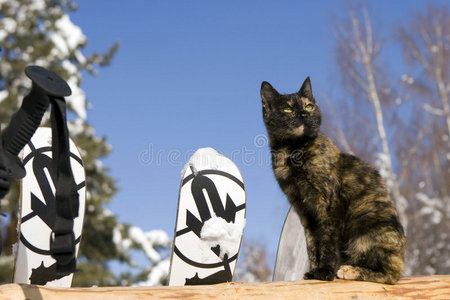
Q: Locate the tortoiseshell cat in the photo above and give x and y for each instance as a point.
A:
(351, 224)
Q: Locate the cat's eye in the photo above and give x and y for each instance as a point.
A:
(287, 110)
(309, 107)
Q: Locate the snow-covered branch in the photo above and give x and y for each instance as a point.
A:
(152, 243)
(433, 110)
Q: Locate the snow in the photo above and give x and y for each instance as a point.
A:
(430, 270)
(3, 95)
(75, 127)
(422, 184)
(434, 49)
(382, 164)
(7, 26)
(203, 158)
(119, 241)
(77, 100)
(158, 238)
(60, 44)
(38, 5)
(67, 37)
(157, 273)
(90, 207)
(15, 248)
(433, 207)
(80, 57)
(107, 213)
(407, 79)
(217, 231)
(73, 34)
(7, 259)
(138, 235)
(98, 166)
(70, 67)
(149, 240)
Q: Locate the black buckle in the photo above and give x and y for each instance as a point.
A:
(62, 246)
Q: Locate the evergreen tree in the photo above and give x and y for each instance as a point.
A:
(40, 32)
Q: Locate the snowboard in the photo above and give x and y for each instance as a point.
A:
(210, 221)
(292, 257)
(34, 263)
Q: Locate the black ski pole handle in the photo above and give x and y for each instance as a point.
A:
(27, 119)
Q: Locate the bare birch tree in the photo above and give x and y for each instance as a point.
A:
(413, 136)
(254, 267)
(358, 60)
(426, 159)
(426, 45)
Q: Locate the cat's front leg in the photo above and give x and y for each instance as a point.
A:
(311, 247)
(324, 274)
(323, 249)
(325, 258)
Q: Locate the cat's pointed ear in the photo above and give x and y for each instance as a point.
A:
(306, 90)
(268, 94)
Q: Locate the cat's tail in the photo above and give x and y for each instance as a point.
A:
(377, 258)
(360, 273)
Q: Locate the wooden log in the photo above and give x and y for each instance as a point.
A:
(420, 287)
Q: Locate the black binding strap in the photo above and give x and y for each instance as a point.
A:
(46, 86)
(62, 241)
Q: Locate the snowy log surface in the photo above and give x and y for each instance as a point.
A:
(420, 287)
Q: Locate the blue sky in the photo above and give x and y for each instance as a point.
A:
(187, 75)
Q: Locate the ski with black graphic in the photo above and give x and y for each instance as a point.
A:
(210, 221)
(34, 262)
(292, 257)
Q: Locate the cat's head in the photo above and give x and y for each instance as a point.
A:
(290, 116)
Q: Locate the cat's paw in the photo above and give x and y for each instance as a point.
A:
(320, 274)
(347, 272)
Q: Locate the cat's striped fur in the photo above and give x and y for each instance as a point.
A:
(351, 224)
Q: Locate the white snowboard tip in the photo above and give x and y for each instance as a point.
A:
(206, 246)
